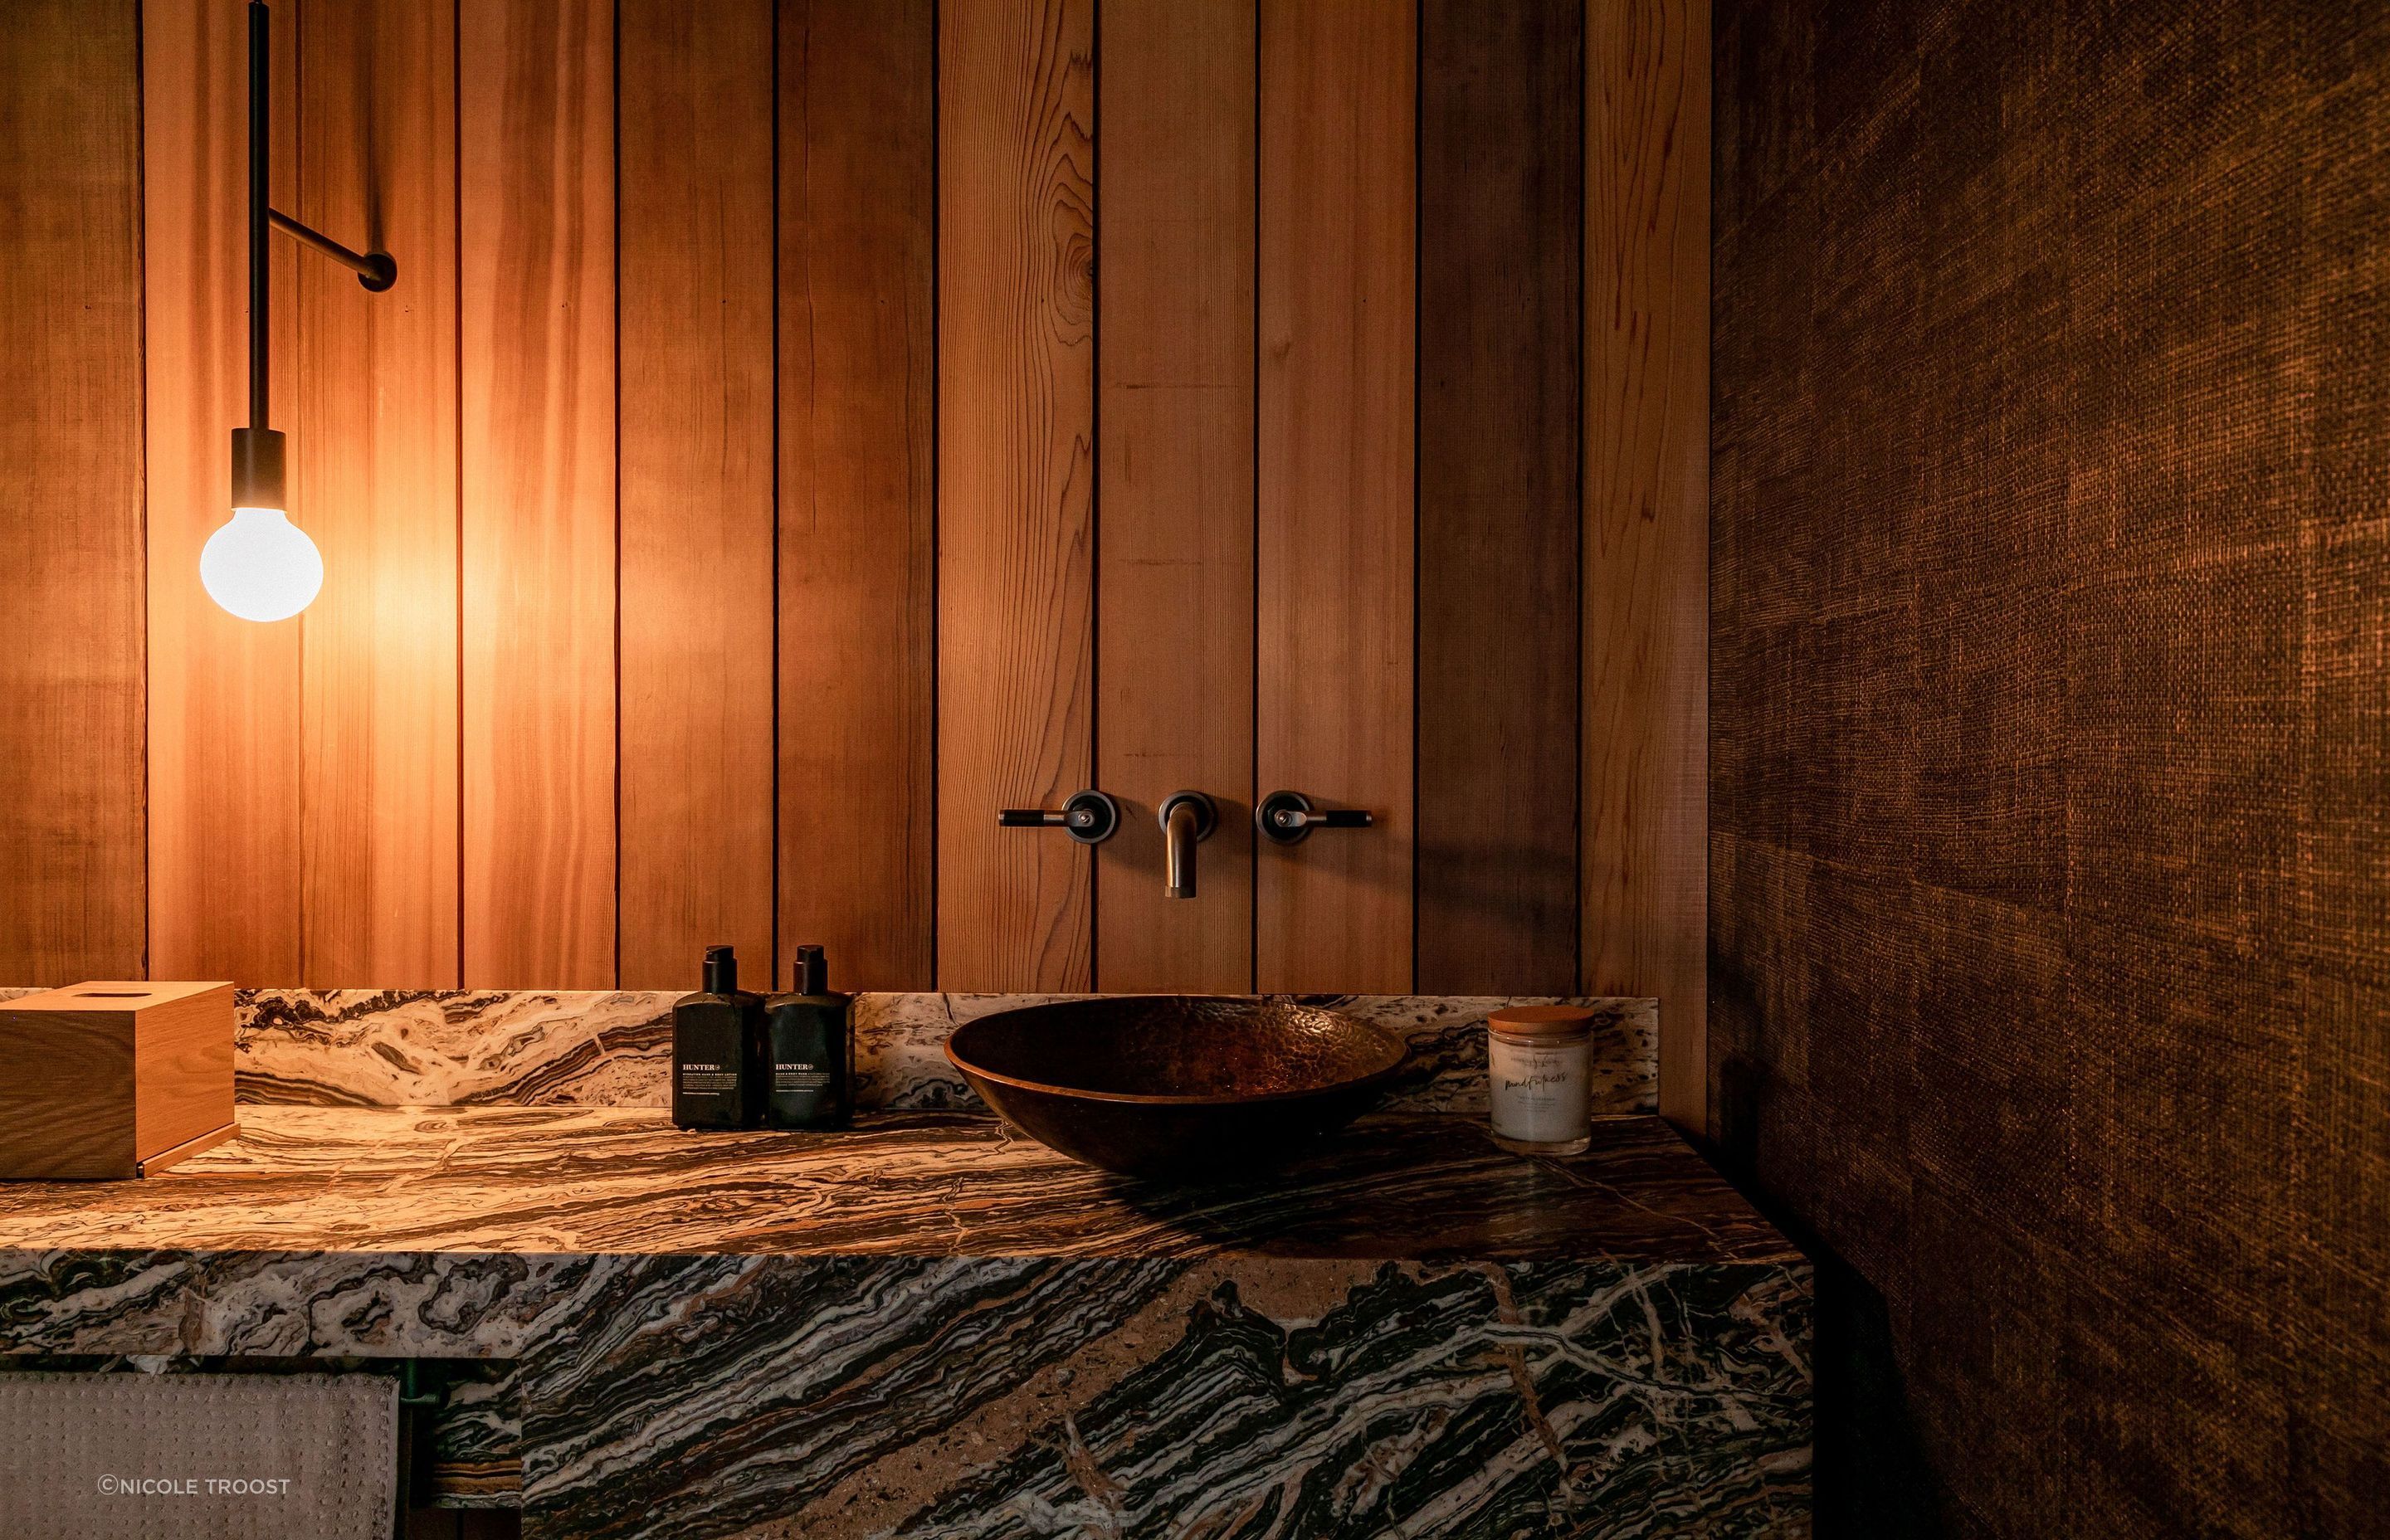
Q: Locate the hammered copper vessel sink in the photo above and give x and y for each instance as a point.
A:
(1176, 1086)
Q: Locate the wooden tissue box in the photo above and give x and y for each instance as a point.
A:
(103, 1080)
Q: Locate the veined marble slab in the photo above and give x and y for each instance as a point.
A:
(438, 1048)
(998, 1400)
(927, 1328)
(361, 1047)
(693, 1397)
(544, 1181)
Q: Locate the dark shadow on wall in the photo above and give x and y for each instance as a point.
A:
(1872, 1478)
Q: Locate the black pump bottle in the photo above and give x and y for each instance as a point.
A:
(812, 1033)
(718, 1069)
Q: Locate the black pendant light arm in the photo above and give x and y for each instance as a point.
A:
(257, 457)
(374, 270)
(261, 200)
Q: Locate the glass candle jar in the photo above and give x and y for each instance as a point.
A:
(1540, 1070)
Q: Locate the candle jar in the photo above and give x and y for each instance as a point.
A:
(1539, 1071)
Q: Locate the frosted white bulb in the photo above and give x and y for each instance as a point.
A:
(261, 566)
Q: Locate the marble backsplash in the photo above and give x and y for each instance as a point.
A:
(382, 1049)
(612, 1048)
(363, 1047)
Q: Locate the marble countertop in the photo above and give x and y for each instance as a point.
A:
(600, 1181)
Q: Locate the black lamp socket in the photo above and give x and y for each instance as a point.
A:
(257, 474)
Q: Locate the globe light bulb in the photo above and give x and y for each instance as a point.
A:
(261, 566)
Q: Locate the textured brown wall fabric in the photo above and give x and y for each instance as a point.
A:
(2050, 711)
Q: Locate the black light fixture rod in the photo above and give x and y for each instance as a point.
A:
(261, 23)
(257, 459)
(258, 480)
(374, 269)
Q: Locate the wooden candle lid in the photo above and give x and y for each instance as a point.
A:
(1550, 1023)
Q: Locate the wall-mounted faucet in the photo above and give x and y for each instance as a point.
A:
(1188, 819)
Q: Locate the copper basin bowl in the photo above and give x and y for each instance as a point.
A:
(1175, 1087)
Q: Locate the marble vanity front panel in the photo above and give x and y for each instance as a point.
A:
(1003, 1398)
(700, 1396)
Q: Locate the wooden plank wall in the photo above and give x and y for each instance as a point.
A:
(858, 532)
(755, 482)
(223, 730)
(373, 447)
(1501, 189)
(432, 797)
(1016, 485)
(536, 200)
(1334, 644)
(70, 652)
(695, 250)
(1175, 586)
(1646, 627)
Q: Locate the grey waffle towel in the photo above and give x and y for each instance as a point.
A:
(196, 1457)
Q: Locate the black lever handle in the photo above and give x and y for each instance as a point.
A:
(1088, 816)
(1287, 818)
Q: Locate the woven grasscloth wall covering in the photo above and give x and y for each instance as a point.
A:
(2050, 732)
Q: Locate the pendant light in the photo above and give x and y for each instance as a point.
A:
(260, 566)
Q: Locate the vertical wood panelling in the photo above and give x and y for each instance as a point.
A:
(373, 463)
(1016, 388)
(858, 532)
(742, 624)
(1647, 523)
(1335, 546)
(696, 467)
(1176, 581)
(223, 693)
(71, 650)
(537, 234)
(1501, 224)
